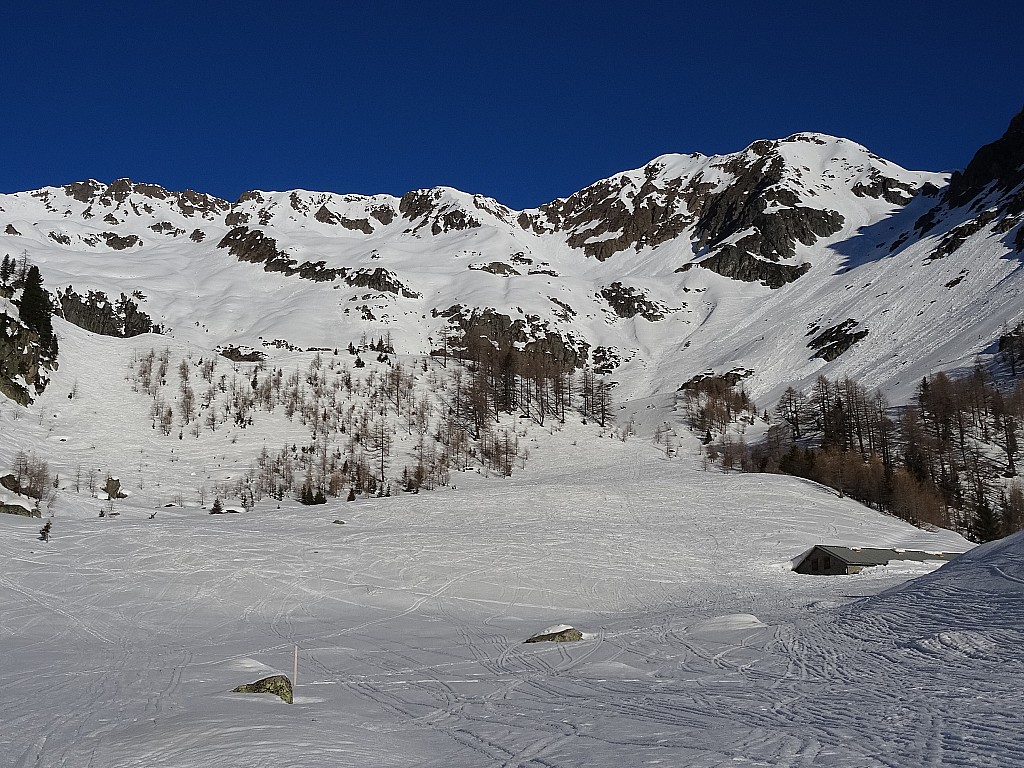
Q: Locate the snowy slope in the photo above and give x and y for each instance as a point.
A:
(810, 200)
(123, 637)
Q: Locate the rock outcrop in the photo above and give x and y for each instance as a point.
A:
(990, 189)
(832, 342)
(278, 685)
(95, 312)
(736, 263)
(487, 332)
(24, 362)
(627, 301)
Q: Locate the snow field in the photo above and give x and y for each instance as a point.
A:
(123, 637)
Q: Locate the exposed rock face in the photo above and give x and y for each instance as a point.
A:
(432, 207)
(97, 313)
(326, 216)
(242, 355)
(832, 342)
(166, 228)
(992, 186)
(713, 381)
(498, 334)
(615, 214)
(385, 214)
(889, 189)
(758, 203)
(10, 482)
(126, 193)
(628, 302)
(279, 685)
(23, 361)
(738, 264)
(957, 236)
(120, 242)
(254, 246)
(380, 279)
(1001, 162)
(499, 268)
(84, 191)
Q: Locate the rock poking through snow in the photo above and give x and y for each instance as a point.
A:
(560, 633)
(279, 685)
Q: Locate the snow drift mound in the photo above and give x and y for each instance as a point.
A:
(982, 589)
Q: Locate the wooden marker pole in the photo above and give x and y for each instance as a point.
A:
(295, 669)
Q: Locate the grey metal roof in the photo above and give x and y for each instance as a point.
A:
(874, 556)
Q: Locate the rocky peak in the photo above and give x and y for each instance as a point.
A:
(443, 209)
(776, 195)
(141, 195)
(84, 191)
(1001, 162)
(992, 185)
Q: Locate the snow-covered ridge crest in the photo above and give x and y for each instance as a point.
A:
(689, 262)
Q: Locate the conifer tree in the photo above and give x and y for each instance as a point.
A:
(35, 309)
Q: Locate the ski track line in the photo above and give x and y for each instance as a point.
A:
(52, 605)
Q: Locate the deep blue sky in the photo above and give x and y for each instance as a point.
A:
(524, 103)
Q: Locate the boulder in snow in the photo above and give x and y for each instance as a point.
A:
(559, 633)
(279, 685)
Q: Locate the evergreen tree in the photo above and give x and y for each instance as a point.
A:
(217, 508)
(35, 309)
(986, 521)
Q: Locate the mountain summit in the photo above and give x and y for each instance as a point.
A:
(653, 275)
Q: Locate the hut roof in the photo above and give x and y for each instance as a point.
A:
(875, 556)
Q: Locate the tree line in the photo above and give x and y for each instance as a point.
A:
(947, 458)
(376, 428)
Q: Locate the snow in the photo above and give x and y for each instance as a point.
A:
(554, 628)
(123, 636)
(720, 323)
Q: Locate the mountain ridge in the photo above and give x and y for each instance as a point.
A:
(655, 271)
